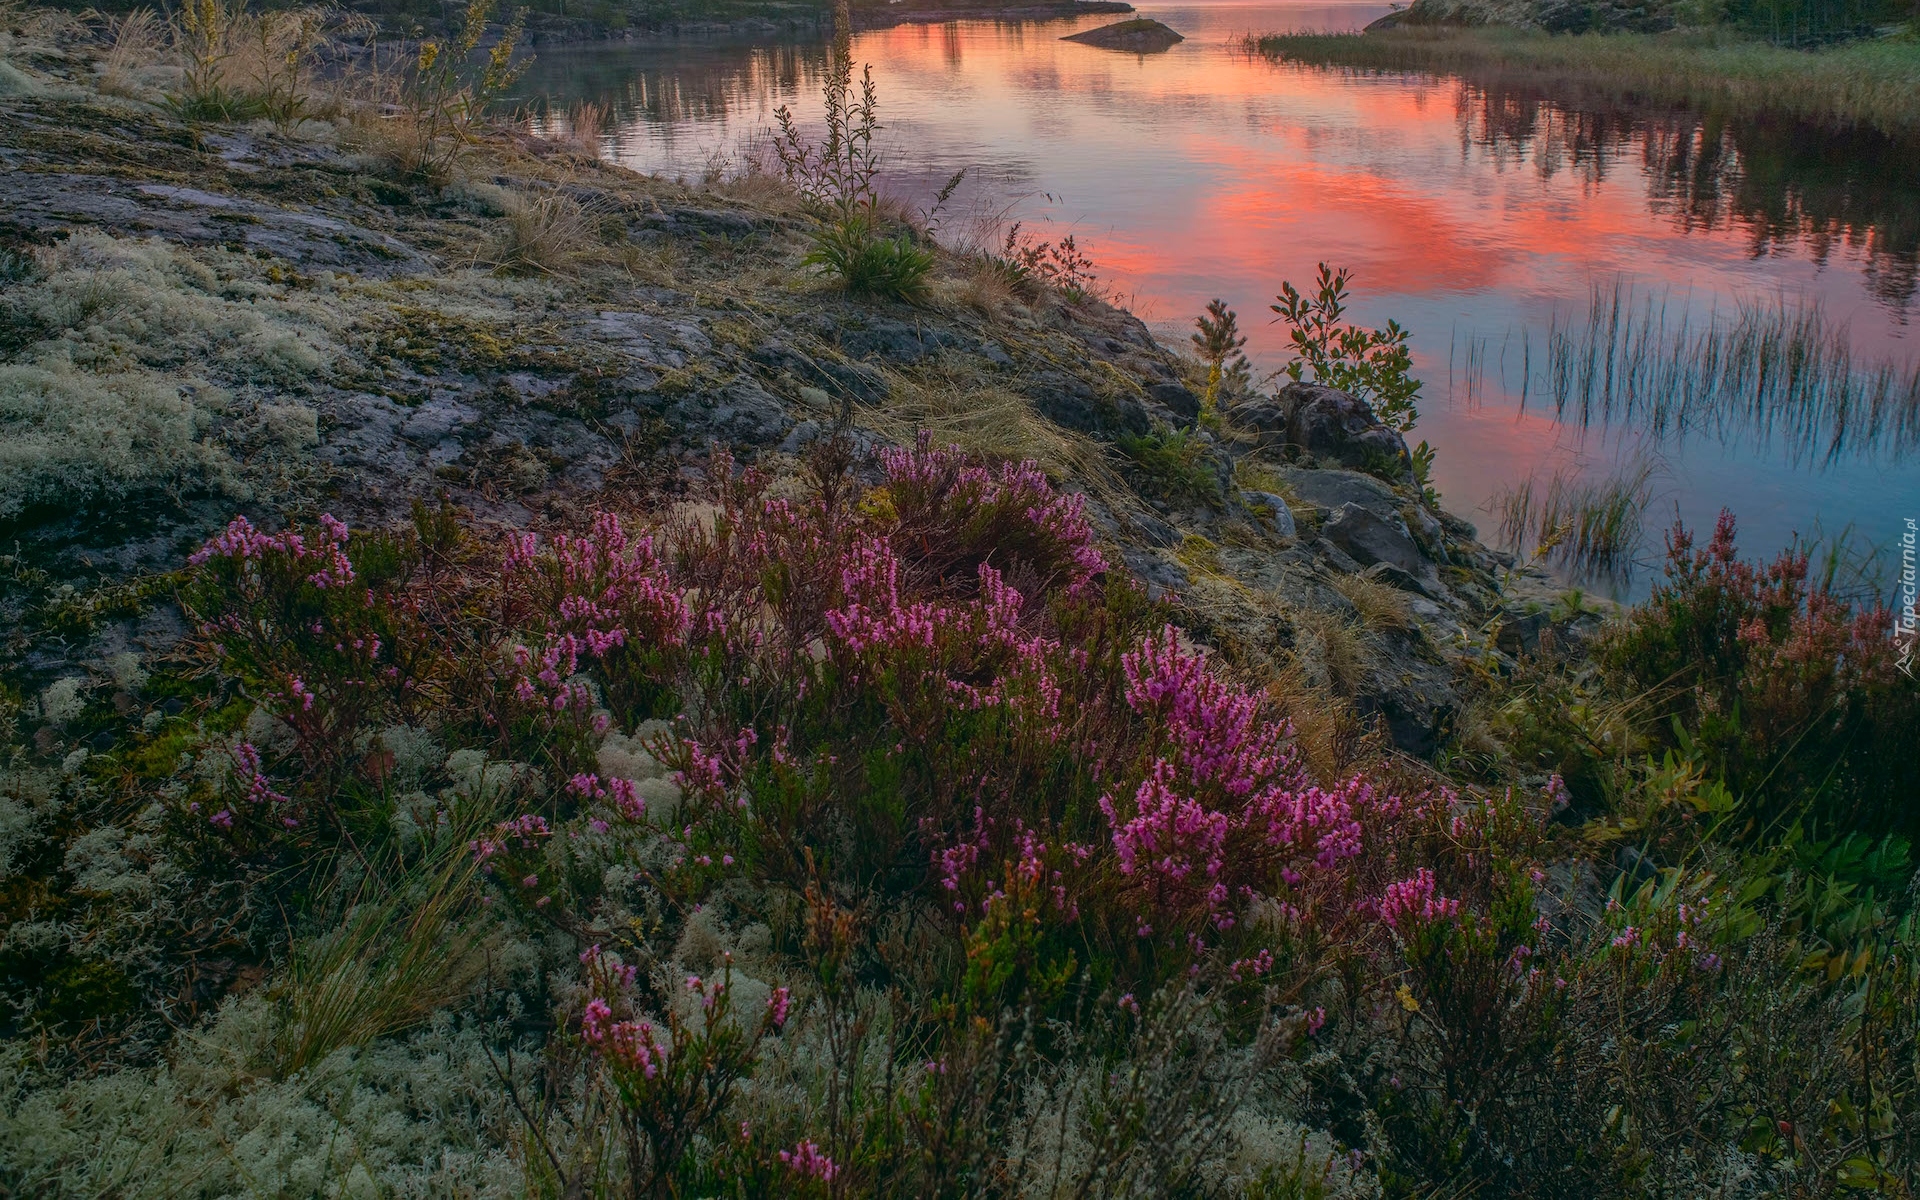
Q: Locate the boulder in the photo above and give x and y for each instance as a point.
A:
(1395, 577)
(1329, 489)
(1519, 632)
(1140, 36)
(1275, 514)
(1414, 700)
(1368, 538)
(1335, 558)
(740, 414)
(1154, 531)
(1327, 423)
(1163, 576)
(1331, 424)
(1069, 401)
(895, 341)
(1179, 400)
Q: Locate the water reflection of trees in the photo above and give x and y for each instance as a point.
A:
(693, 82)
(1788, 186)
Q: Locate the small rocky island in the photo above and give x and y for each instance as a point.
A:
(1141, 36)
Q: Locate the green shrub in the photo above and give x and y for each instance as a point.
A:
(1370, 364)
(1176, 463)
(1791, 692)
(869, 264)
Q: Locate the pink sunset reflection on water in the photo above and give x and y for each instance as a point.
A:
(1469, 214)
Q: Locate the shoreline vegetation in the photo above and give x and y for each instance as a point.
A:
(524, 680)
(1873, 82)
(555, 23)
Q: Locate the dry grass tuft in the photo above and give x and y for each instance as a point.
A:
(587, 122)
(134, 53)
(1381, 605)
(542, 233)
(1330, 648)
(974, 412)
(1330, 736)
(986, 287)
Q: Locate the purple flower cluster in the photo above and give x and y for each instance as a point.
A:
(806, 1159)
(1415, 902)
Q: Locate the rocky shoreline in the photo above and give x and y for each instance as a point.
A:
(532, 396)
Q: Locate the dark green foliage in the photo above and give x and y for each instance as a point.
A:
(1373, 365)
(1791, 693)
(1813, 22)
(1175, 464)
(870, 264)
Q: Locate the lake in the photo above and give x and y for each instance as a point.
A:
(1481, 217)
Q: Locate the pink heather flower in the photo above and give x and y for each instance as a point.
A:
(1251, 968)
(805, 1159)
(1558, 797)
(626, 799)
(1414, 901)
(246, 762)
(1311, 820)
(1316, 1020)
(777, 1007)
(1169, 835)
(221, 820)
(1628, 939)
(1130, 1004)
(1217, 728)
(629, 1045)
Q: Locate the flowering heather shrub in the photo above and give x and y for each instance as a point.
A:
(1790, 690)
(927, 707)
(286, 615)
(604, 596)
(675, 1079)
(859, 687)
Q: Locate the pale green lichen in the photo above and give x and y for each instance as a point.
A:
(140, 365)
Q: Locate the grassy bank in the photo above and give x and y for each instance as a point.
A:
(1874, 83)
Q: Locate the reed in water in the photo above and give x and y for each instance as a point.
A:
(1591, 526)
(1770, 369)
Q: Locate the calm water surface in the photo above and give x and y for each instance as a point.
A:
(1470, 213)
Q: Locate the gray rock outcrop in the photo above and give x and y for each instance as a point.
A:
(1140, 36)
(1328, 424)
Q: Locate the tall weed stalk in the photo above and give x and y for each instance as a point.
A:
(837, 177)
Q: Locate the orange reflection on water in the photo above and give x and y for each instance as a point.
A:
(1469, 214)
